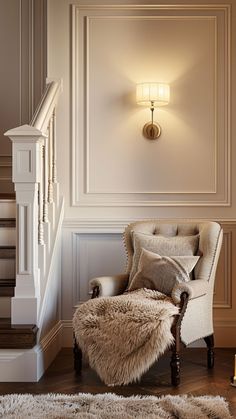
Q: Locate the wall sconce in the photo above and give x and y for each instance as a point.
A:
(153, 95)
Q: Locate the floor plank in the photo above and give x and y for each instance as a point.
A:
(195, 378)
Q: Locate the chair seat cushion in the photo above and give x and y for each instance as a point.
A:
(164, 246)
(162, 273)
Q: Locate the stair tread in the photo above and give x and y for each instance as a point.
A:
(17, 336)
(5, 325)
(7, 222)
(8, 196)
(7, 282)
(7, 252)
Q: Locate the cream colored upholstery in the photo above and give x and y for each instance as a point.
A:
(197, 322)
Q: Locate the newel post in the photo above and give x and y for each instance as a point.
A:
(27, 168)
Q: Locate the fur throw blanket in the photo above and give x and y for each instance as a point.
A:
(123, 336)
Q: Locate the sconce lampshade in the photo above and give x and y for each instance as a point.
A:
(157, 93)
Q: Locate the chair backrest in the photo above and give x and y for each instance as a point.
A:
(210, 241)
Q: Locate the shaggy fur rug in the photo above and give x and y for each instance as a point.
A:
(109, 406)
(123, 336)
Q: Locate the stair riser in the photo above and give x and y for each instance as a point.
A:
(7, 291)
(7, 209)
(5, 307)
(7, 253)
(7, 236)
(7, 268)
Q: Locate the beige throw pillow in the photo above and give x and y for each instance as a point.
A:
(162, 273)
(164, 246)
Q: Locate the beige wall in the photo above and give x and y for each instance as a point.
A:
(9, 70)
(22, 70)
(109, 173)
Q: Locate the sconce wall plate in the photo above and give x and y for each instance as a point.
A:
(151, 130)
(153, 95)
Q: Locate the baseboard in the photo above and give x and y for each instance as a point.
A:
(19, 365)
(48, 348)
(225, 336)
(67, 334)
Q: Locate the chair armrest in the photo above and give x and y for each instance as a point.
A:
(110, 285)
(194, 289)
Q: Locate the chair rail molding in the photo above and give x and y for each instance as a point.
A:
(117, 225)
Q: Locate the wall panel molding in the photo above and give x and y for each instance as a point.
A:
(82, 192)
(84, 234)
(223, 285)
(117, 225)
(93, 255)
(96, 249)
(33, 55)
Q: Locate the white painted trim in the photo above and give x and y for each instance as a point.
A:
(45, 108)
(88, 189)
(28, 365)
(207, 6)
(49, 347)
(17, 365)
(49, 276)
(96, 225)
(67, 334)
(228, 251)
(110, 199)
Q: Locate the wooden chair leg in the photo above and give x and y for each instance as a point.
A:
(175, 359)
(77, 357)
(175, 368)
(210, 351)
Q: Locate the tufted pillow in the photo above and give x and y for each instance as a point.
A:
(164, 246)
(162, 273)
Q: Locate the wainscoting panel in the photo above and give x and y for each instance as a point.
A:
(88, 254)
(223, 283)
(95, 255)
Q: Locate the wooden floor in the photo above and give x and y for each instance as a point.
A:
(196, 379)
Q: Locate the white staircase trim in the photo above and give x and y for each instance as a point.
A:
(28, 365)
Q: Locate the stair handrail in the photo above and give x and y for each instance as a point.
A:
(45, 108)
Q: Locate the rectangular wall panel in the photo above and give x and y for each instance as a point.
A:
(93, 254)
(186, 47)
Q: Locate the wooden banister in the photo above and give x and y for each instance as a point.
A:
(34, 169)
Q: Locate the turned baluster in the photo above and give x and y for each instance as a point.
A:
(54, 148)
(45, 181)
(50, 160)
(40, 202)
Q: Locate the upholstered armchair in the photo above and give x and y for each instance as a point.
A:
(194, 298)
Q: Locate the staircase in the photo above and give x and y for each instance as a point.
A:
(7, 266)
(11, 336)
(30, 248)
